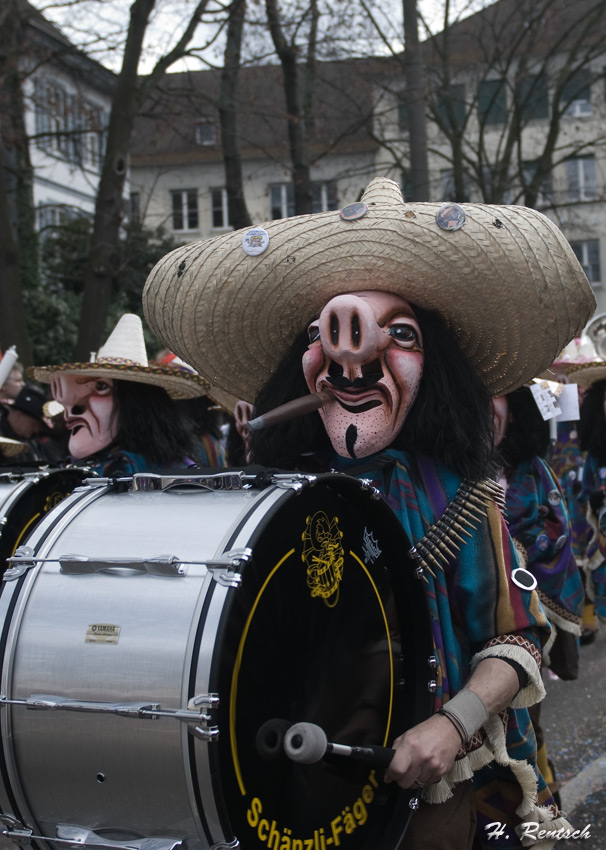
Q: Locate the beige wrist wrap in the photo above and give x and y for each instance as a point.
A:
(469, 711)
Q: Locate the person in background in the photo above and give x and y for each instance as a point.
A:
(538, 521)
(592, 440)
(24, 420)
(204, 415)
(119, 410)
(13, 385)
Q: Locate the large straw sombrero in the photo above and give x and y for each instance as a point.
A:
(124, 357)
(504, 279)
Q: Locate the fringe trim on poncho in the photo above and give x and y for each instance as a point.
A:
(557, 622)
(494, 748)
(534, 691)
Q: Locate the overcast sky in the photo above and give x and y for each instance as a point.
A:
(99, 26)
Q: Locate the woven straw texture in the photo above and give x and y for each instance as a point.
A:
(11, 448)
(507, 283)
(124, 357)
(587, 374)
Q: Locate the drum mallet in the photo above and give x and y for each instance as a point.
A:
(307, 743)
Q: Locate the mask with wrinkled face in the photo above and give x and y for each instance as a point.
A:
(90, 408)
(366, 347)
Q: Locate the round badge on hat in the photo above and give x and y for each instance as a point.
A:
(255, 241)
(450, 217)
(554, 497)
(524, 579)
(560, 542)
(354, 211)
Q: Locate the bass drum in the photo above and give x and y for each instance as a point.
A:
(26, 496)
(155, 628)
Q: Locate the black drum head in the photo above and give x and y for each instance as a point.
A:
(329, 627)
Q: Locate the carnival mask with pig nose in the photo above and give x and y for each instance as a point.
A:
(366, 348)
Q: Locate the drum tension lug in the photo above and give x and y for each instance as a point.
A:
(22, 561)
(208, 735)
(15, 830)
(224, 845)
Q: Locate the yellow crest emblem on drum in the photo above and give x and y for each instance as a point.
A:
(324, 555)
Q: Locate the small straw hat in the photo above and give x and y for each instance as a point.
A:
(577, 353)
(124, 357)
(11, 448)
(503, 278)
(586, 374)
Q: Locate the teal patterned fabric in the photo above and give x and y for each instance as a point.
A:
(473, 604)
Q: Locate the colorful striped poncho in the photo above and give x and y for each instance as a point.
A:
(594, 481)
(476, 612)
(567, 462)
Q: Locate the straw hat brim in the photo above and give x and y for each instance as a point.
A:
(586, 374)
(178, 383)
(11, 448)
(506, 283)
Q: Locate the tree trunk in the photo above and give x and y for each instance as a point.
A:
(228, 105)
(415, 96)
(287, 54)
(101, 269)
(17, 217)
(13, 326)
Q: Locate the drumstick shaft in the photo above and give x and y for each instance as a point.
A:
(292, 409)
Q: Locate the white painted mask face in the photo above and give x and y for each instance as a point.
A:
(366, 347)
(90, 408)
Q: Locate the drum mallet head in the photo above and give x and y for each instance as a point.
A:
(270, 738)
(305, 743)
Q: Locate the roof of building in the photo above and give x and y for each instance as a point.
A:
(166, 128)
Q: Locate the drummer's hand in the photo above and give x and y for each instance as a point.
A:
(424, 753)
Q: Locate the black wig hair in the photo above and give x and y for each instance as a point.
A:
(527, 433)
(202, 413)
(592, 423)
(450, 419)
(151, 425)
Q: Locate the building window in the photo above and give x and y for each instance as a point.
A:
(450, 107)
(576, 93)
(67, 125)
(220, 215)
(492, 102)
(206, 134)
(49, 216)
(588, 255)
(51, 116)
(282, 200)
(532, 97)
(581, 178)
(185, 209)
(324, 196)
